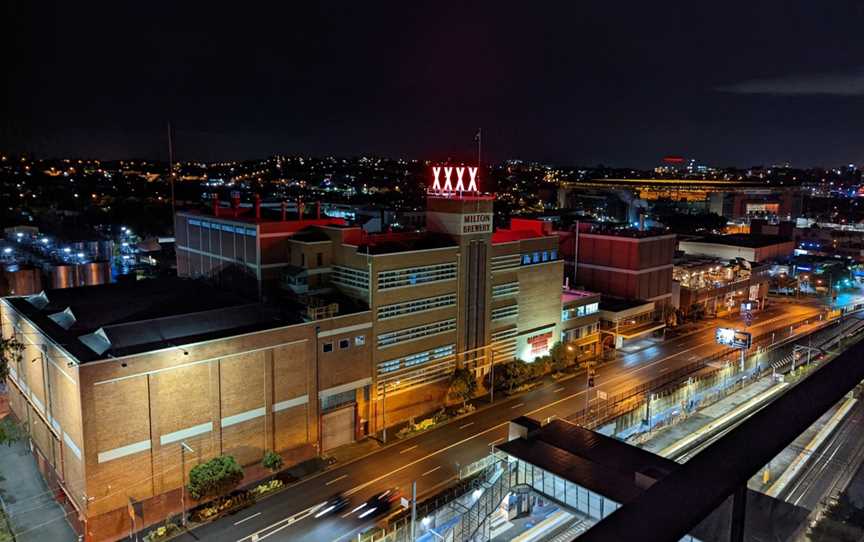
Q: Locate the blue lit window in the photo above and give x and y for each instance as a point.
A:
(554, 255)
(535, 258)
(545, 256)
(526, 259)
(565, 315)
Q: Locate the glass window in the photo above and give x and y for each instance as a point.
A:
(328, 347)
(526, 259)
(360, 340)
(545, 256)
(344, 343)
(565, 315)
(554, 254)
(535, 258)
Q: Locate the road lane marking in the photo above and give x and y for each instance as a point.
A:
(466, 425)
(281, 524)
(430, 471)
(517, 406)
(623, 376)
(247, 519)
(559, 390)
(408, 449)
(334, 480)
(497, 440)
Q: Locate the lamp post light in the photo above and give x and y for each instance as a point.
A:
(183, 449)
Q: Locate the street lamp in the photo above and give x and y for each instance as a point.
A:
(384, 409)
(183, 449)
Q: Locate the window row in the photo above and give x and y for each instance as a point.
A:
(419, 358)
(503, 263)
(510, 311)
(409, 276)
(345, 343)
(539, 257)
(414, 333)
(580, 332)
(577, 312)
(424, 374)
(416, 305)
(348, 276)
(504, 290)
(224, 227)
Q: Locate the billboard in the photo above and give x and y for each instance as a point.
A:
(733, 337)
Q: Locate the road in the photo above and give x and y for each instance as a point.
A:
(432, 458)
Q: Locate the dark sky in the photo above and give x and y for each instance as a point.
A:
(623, 83)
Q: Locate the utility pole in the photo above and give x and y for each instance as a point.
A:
(183, 449)
(413, 510)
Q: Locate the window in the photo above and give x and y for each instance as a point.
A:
(416, 305)
(545, 256)
(565, 315)
(327, 347)
(535, 258)
(319, 259)
(504, 290)
(338, 399)
(526, 259)
(554, 255)
(414, 333)
(302, 259)
(416, 275)
(591, 308)
(344, 343)
(505, 263)
(348, 276)
(359, 340)
(510, 311)
(427, 366)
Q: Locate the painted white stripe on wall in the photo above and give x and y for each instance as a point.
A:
(346, 329)
(189, 432)
(72, 446)
(284, 405)
(123, 451)
(344, 387)
(242, 417)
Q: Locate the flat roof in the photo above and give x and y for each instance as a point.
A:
(592, 460)
(745, 240)
(134, 317)
(617, 304)
(569, 296)
(393, 243)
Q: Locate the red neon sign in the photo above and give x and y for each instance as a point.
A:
(448, 187)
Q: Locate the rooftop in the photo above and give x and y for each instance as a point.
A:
(569, 296)
(617, 304)
(745, 240)
(392, 243)
(94, 322)
(594, 461)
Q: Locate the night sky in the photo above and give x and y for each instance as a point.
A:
(619, 83)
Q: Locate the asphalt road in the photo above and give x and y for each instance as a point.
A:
(432, 458)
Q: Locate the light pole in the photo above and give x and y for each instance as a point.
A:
(183, 449)
(384, 409)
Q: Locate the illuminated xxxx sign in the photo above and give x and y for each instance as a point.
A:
(460, 179)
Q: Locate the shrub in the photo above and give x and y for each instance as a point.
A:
(214, 477)
(161, 533)
(272, 461)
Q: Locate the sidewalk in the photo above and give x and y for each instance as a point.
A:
(33, 513)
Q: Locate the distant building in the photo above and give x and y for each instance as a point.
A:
(749, 247)
(708, 286)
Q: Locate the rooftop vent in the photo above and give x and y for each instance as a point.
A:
(97, 341)
(40, 300)
(64, 319)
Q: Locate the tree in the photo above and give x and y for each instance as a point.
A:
(272, 461)
(560, 357)
(10, 432)
(215, 477)
(463, 385)
(11, 352)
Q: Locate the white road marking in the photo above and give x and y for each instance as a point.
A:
(559, 390)
(430, 471)
(466, 425)
(334, 480)
(408, 449)
(517, 405)
(255, 515)
(497, 440)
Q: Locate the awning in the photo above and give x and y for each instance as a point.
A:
(640, 330)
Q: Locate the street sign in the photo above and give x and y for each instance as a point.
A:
(733, 337)
(405, 502)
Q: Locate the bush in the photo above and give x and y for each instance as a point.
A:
(161, 533)
(214, 477)
(272, 461)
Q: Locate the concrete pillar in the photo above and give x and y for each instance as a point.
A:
(738, 520)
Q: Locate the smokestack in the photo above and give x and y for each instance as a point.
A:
(257, 207)
(284, 209)
(318, 210)
(215, 197)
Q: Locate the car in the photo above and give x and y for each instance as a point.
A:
(333, 505)
(378, 504)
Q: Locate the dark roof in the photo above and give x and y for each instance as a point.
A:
(394, 243)
(746, 240)
(310, 235)
(594, 461)
(147, 315)
(616, 304)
